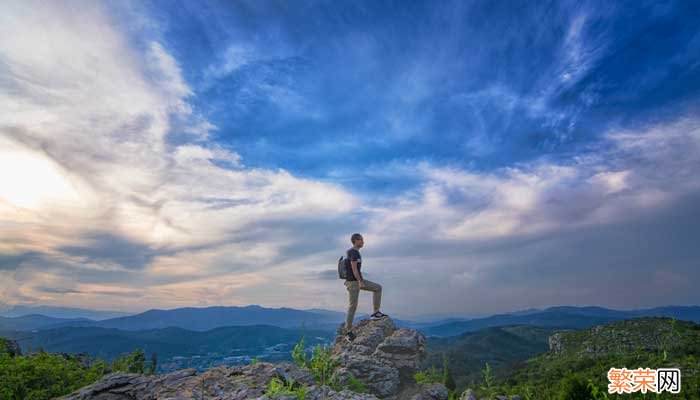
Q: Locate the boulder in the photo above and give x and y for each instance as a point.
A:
(382, 357)
(468, 395)
(433, 391)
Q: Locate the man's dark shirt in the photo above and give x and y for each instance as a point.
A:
(353, 255)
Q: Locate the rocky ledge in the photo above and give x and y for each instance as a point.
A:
(382, 357)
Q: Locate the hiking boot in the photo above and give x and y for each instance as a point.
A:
(377, 315)
(350, 336)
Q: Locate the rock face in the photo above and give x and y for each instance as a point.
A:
(555, 343)
(468, 395)
(646, 334)
(222, 383)
(433, 391)
(382, 357)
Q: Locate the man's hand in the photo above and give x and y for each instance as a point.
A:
(356, 273)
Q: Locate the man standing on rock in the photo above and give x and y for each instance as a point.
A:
(354, 283)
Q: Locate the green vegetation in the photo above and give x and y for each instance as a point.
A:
(489, 387)
(578, 368)
(134, 363)
(277, 388)
(299, 354)
(429, 376)
(153, 367)
(320, 364)
(504, 348)
(432, 375)
(356, 385)
(45, 376)
(321, 368)
(447, 379)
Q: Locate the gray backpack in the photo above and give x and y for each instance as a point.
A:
(342, 268)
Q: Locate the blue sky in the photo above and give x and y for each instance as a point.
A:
(512, 154)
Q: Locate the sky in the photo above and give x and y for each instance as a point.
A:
(496, 156)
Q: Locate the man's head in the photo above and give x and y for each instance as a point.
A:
(357, 240)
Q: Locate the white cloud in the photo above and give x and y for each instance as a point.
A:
(84, 105)
(630, 171)
(169, 76)
(233, 58)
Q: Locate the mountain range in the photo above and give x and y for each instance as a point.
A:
(207, 318)
(58, 312)
(564, 317)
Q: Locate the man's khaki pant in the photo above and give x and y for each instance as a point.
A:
(354, 292)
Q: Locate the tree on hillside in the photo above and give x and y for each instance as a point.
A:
(153, 367)
(134, 362)
(43, 376)
(447, 379)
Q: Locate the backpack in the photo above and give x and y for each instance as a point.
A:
(342, 269)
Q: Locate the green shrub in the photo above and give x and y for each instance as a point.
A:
(321, 368)
(596, 392)
(299, 354)
(573, 387)
(134, 362)
(277, 388)
(489, 386)
(44, 376)
(447, 379)
(356, 385)
(301, 392)
(428, 376)
(153, 366)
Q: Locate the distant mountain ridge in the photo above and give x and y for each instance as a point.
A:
(565, 317)
(207, 318)
(35, 321)
(11, 311)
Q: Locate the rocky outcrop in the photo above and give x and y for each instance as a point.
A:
(222, 383)
(382, 357)
(620, 337)
(555, 343)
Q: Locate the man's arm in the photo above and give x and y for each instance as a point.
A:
(355, 272)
